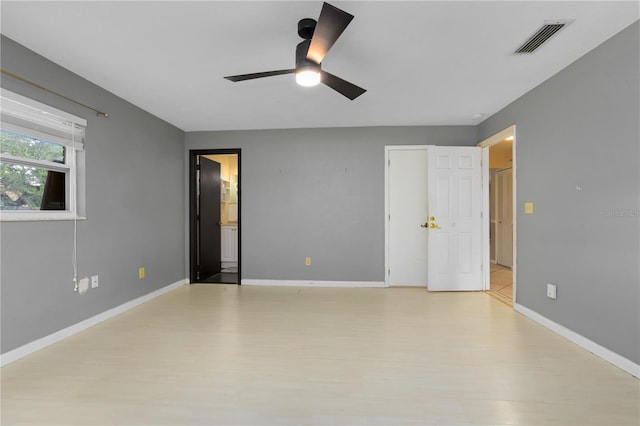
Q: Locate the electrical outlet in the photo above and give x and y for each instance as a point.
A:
(307, 261)
(528, 207)
(141, 273)
(551, 291)
(94, 281)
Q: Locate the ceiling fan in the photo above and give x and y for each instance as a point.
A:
(318, 37)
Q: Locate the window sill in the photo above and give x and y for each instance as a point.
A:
(37, 216)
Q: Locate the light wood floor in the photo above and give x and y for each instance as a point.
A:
(501, 283)
(223, 354)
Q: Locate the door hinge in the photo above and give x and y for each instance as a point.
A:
(197, 166)
(389, 272)
(389, 163)
(389, 217)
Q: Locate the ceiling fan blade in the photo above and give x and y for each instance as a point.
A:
(243, 77)
(331, 24)
(341, 86)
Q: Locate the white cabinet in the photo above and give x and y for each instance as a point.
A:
(229, 249)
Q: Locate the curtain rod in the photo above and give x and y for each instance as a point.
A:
(24, 80)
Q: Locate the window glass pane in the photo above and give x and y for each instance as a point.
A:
(31, 188)
(27, 147)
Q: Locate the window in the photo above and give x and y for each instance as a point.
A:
(41, 149)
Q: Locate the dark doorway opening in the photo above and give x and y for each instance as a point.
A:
(214, 216)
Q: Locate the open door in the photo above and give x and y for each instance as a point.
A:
(209, 237)
(454, 242)
(504, 220)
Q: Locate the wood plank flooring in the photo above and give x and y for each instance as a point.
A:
(224, 354)
(501, 282)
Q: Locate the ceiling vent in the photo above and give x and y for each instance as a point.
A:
(548, 30)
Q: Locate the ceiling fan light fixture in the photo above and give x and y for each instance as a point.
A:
(318, 37)
(308, 77)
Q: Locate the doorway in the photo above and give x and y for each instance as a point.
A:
(433, 222)
(499, 225)
(214, 216)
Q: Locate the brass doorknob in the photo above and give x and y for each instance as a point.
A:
(434, 226)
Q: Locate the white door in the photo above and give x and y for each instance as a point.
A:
(407, 209)
(504, 220)
(455, 218)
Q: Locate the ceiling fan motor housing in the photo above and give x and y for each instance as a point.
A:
(306, 27)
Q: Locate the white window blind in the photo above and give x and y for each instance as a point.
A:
(26, 116)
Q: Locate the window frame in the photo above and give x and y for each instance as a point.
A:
(73, 166)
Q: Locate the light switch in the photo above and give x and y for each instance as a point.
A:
(83, 285)
(528, 207)
(552, 291)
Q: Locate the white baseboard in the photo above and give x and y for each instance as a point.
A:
(303, 283)
(43, 342)
(598, 350)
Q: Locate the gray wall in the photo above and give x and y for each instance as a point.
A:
(580, 128)
(317, 193)
(135, 215)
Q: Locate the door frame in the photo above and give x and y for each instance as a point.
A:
(486, 261)
(387, 200)
(193, 229)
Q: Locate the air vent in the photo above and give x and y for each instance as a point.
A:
(548, 30)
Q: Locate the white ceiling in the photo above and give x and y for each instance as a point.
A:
(422, 62)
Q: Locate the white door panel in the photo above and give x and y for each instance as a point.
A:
(454, 181)
(407, 257)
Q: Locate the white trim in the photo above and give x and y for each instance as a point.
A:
(303, 283)
(36, 215)
(598, 350)
(486, 222)
(43, 342)
(514, 214)
(499, 137)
